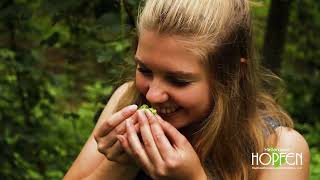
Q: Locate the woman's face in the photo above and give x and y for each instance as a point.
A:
(172, 79)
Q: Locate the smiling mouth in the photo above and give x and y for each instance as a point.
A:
(171, 113)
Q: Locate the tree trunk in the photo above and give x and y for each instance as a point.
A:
(274, 41)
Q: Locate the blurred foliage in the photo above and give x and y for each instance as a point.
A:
(61, 60)
(301, 72)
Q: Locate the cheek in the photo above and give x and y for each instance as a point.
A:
(198, 99)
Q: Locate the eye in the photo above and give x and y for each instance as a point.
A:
(178, 82)
(145, 71)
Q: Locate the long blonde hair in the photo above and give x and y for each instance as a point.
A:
(220, 32)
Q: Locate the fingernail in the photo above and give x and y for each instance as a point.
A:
(120, 138)
(132, 107)
(141, 112)
(147, 111)
(150, 115)
(141, 115)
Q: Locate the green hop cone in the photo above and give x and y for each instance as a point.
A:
(152, 110)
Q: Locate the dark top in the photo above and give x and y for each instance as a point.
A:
(268, 120)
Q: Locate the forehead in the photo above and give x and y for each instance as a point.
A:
(166, 52)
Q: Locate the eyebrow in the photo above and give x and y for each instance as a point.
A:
(181, 74)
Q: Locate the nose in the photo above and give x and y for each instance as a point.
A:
(156, 93)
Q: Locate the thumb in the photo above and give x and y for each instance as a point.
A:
(172, 133)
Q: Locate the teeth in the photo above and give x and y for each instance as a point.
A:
(167, 110)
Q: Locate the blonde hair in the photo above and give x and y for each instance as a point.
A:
(219, 31)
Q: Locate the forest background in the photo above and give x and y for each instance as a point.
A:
(60, 60)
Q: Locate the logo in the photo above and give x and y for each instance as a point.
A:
(274, 158)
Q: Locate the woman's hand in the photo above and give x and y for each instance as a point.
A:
(159, 156)
(105, 135)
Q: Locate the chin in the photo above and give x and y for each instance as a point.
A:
(177, 123)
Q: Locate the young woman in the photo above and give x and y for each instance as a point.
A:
(194, 65)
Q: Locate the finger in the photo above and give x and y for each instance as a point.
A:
(147, 138)
(116, 119)
(116, 148)
(162, 142)
(123, 138)
(136, 149)
(128, 155)
(115, 151)
(125, 144)
(110, 139)
(172, 133)
(121, 128)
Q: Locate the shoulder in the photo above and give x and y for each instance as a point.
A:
(118, 93)
(114, 99)
(121, 90)
(290, 138)
(290, 142)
